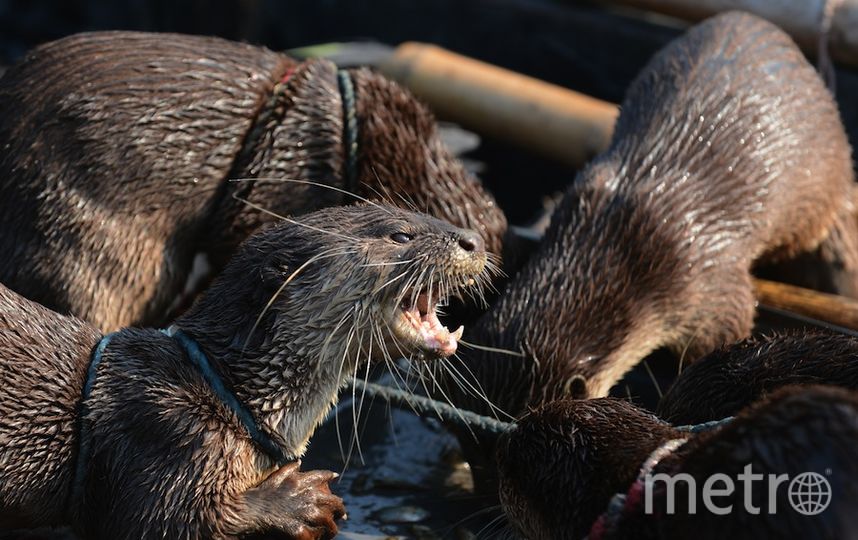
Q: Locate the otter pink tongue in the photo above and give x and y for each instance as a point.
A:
(435, 336)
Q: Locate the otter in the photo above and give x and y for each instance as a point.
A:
(561, 467)
(194, 432)
(120, 150)
(731, 378)
(728, 150)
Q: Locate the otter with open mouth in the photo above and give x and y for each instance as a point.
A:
(194, 432)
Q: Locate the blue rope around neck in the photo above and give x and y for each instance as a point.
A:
(201, 361)
(84, 421)
(350, 127)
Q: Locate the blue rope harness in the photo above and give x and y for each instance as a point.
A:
(83, 420)
(201, 362)
(350, 127)
(705, 426)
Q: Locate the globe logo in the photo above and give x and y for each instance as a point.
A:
(809, 493)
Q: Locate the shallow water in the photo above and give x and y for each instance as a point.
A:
(408, 479)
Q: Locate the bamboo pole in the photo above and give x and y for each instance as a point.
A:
(547, 119)
(802, 19)
(838, 310)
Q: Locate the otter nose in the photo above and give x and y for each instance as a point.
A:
(471, 242)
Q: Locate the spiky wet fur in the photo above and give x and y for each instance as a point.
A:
(728, 149)
(732, 377)
(293, 314)
(119, 148)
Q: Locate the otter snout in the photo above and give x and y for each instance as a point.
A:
(471, 242)
(469, 255)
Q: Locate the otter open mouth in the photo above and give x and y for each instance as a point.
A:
(420, 326)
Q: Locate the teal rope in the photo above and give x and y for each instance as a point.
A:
(201, 362)
(350, 127)
(705, 426)
(427, 406)
(83, 423)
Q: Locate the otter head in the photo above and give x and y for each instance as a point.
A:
(562, 464)
(302, 303)
(401, 154)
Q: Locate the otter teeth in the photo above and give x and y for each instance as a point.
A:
(433, 335)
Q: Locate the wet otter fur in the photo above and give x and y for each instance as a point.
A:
(290, 319)
(732, 377)
(119, 148)
(728, 150)
(561, 465)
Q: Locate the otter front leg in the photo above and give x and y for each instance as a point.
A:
(297, 504)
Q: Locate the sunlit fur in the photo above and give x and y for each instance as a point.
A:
(299, 307)
(728, 149)
(335, 312)
(119, 148)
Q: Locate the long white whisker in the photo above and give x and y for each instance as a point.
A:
(317, 184)
(290, 220)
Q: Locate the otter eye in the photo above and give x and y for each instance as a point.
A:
(401, 237)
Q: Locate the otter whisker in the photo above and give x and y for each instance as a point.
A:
(493, 349)
(363, 392)
(476, 389)
(346, 456)
(490, 528)
(410, 204)
(653, 379)
(487, 510)
(353, 315)
(396, 376)
(422, 381)
(316, 184)
(385, 196)
(290, 220)
(449, 402)
(391, 281)
(329, 338)
(403, 355)
(355, 439)
(686, 347)
(369, 265)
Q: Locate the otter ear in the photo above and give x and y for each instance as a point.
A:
(576, 387)
(275, 267)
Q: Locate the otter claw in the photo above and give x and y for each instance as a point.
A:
(300, 505)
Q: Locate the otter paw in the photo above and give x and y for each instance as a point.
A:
(301, 504)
